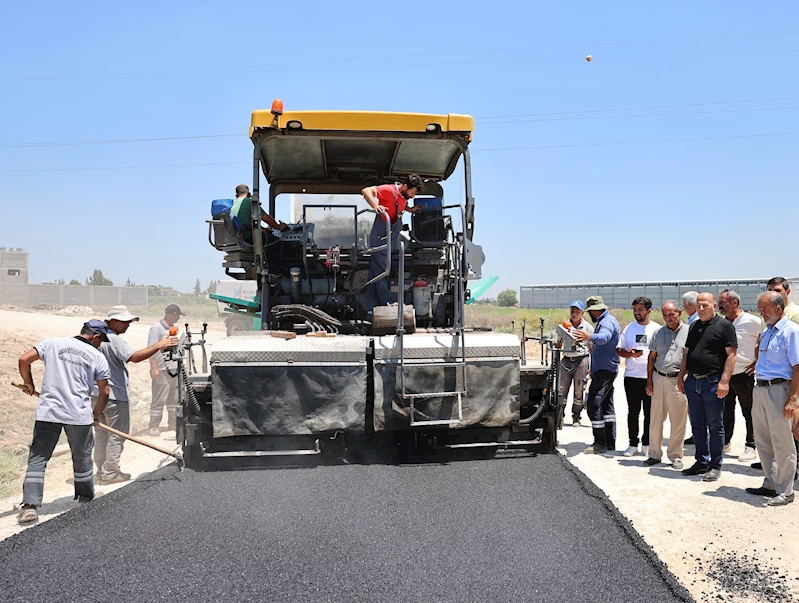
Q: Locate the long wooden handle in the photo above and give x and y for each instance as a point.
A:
(121, 434)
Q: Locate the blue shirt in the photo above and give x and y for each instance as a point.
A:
(693, 317)
(605, 340)
(779, 350)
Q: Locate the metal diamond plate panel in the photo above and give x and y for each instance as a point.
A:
(423, 346)
(260, 348)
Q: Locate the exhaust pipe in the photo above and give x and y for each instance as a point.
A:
(295, 285)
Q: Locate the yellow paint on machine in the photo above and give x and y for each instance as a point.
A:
(365, 121)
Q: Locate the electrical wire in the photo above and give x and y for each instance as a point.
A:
(44, 144)
(290, 65)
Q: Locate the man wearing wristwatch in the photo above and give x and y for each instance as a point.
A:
(775, 399)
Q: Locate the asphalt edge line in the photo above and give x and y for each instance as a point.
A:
(594, 491)
(56, 524)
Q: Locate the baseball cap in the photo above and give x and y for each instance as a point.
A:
(173, 309)
(121, 313)
(577, 304)
(98, 327)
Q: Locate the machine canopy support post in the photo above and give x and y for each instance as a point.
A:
(468, 227)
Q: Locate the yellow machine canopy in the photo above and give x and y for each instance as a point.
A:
(358, 146)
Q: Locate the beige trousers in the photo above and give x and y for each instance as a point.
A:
(667, 401)
(773, 433)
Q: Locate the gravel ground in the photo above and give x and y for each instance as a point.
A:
(503, 529)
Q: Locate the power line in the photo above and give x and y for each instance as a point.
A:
(605, 144)
(125, 167)
(522, 121)
(44, 144)
(735, 102)
(551, 146)
(269, 67)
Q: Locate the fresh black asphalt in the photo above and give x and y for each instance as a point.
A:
(505, 529)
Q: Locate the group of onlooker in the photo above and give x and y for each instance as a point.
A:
(694, 371)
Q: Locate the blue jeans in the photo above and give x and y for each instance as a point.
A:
(707, 418)
(378, 293)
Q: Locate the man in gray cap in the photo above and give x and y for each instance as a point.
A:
(116, 414)
(575, 364)
(604, 368)
(72, 366)
(165, 385)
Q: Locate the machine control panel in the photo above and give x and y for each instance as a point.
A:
(297, 233)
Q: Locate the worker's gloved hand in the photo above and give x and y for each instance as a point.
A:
(154, 373)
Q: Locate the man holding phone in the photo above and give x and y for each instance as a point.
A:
(634, 348)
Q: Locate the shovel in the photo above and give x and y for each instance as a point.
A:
(175, 455)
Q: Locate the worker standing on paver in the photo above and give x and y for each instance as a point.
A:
(390, 201)
(165, 386)
(634, 348)
(775, 400)
(663, 366)
(575, 365)
(108, 446)
(72, 366)
(704, 378)
(742, 382)
(604, 368)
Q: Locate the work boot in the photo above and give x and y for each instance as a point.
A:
(27, 514)
(115, 478)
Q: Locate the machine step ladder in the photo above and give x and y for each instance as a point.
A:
(458, 363)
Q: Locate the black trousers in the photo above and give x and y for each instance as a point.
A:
(635, 390)
(742, 387)
(600, 409)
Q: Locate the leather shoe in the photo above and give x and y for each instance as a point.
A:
(780, 500)
(695, 469)
(689, 441)
(761, 491)
(756, 465)
(650, 462)
(712, 475)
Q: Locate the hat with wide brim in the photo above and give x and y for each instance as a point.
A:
(595, 302)
(121, 313)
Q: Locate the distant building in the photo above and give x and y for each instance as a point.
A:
(621, 295)
(13, 266)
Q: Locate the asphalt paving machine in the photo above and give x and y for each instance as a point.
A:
(321, 375)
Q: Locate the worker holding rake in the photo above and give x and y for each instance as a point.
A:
(72, 366)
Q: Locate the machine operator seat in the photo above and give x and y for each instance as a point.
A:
(225, 237)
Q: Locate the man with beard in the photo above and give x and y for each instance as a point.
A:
(704, 378)
(575, 365)
(775, 400)
(604, 368)
(634, 347)
(742, 382)
(389, 201)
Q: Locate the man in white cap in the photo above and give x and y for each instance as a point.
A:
(108, 447)
(575, 364)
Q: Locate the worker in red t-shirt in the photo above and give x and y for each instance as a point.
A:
(389, 200)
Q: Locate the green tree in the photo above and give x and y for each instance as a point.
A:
(212, 287)
(75, 282)
(507, 298)
(129, 283)
(197, 288)
(97, 279)
(59, 281)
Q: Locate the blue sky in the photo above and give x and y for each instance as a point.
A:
(660, 210)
